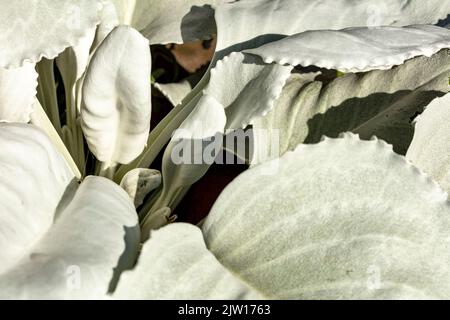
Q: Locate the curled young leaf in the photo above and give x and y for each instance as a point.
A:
(138, 183)
(116, 107)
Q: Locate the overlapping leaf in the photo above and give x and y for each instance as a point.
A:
(58, 240)
(169, 21)
(175, 264)
(339, 220)
(230, 101)
(17, 93)
(250, 24)
(380, 103)
(430, 148)
(356, 49)
(184, 160)
(36, 29)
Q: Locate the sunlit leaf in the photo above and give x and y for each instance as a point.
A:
(116, 106)
(250, 24)
(380, 103)
(356, 49)
(343, 219)
(17, 93)
(30, 30)
(430, 148)
(59, 240)
(169, 21)
(175, 264)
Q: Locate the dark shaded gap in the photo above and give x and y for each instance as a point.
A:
(398, 131)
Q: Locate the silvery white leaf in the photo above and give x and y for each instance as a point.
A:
(175, 264)
(356, 49)
(116, 107)
(246, 87)
(59, 240)
(17, 93)
(72, 64)
(169, 21)
(34, 178)
(276, 132)
(380, 103)
(430, 148)
(74, 60)
(30, 30)
(250, 24)
(95, 237)
(344, 219)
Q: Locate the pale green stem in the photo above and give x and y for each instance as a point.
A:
(77, 145)
(107, 170)
(79, 131)
(41, 120)
(80, 146)
(67, 138)
(46, 92)
(150, 204)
